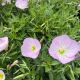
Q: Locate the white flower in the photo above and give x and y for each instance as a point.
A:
(2, 75)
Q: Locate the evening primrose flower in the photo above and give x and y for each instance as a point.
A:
(30, 48)
(2, 75)
(22, 4)
(64, 49)
(3, 43)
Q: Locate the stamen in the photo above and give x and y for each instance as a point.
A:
(1, 76)
(61, 51)
(33, 47)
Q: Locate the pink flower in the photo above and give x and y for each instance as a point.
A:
(64, 49)
(2, 75)
(3, 43)
(22, 4)
(31, 48)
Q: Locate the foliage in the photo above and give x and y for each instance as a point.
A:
(44, 20)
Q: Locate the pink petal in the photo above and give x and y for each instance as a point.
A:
(27, 53)
(34, 55)
(60, 41)
(53, 52)
(26, 50)
(37, 43)
(22, 4)
(73, 49)
(3, 43)
(64, 59)
(30, 41)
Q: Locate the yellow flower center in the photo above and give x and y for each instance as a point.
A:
(1, 76)
(61, 51)
(33, 47)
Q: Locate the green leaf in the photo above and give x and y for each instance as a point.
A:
(77, 71)
(21, 76)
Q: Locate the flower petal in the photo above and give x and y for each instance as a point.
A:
(73, 49)
(3, 43)
(61, 41)
(3, 75)
(53, 52)
(22, 4)
(64, 59)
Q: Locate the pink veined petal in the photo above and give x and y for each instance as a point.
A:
(28, 53)
(73, 49)
(28, 40)
(34, 55)
(32, 41)
(25, 50)
(61, 41)
(37, 43)
(22, 4)
(3, 43)
(64, 59)
(53, 52)
(55, 44)
(4, 39)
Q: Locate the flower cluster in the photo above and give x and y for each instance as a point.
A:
(62, 48)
